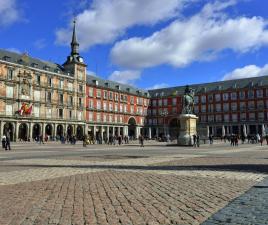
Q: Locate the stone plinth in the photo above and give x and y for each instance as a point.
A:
(187, 129)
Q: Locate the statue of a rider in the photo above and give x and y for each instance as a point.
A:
(188, 101)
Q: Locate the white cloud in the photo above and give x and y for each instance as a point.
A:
(9, 12)
(125, 77)
(247, 71)
(198, 38)
(106, 20)
(40, 43)
(158, 86)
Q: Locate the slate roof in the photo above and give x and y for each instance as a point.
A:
(229, 85)
(24, 59)
(91, 80)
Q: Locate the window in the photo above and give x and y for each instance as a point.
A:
(70, 101)
(90, 92)
(125, 108)
(90, 104)
(251, 105)
(121, 108)
(60, 98)
(243, 116)
(36, 111)
(154, 102)
(234, 117)
(218, 107)
(226, 107)
(80, 102)
(196, 99)
(234, 106)
(203, 99)
(260, 104)
(80, 88)
(98, 105)
(49, 82)
(110, 118)
(90, 116)
(210, 118)
(115, 107)
(132, 100)
(218, 118)
(225, 96)
(37, 79)
(145, 102)
(159, 102)
(70, 86)
(259, 93)
(242, 95)
(79, 115)
(105, 94)
(48, 113)
(203, 108)
(251, 116)
(174, 110)
(226, 118)
(250, 94)
(132, 109)
(60, 113)
(218, 97)
(116, 97)
(9, 109)
(61, 82)
(196, 109)
(210, 98)
(165, 102)
(210, 107)
(9, 91)
(261, 116)
(105, 106)
(80, 74)
(104, 119)
(204, 118)
(98, 117)
(110, 106)
(98, 93)
(174, 101)
(233, 96)
(111, 95)
(242, 106)
(49, 96)
(37, 95)
(10, 74)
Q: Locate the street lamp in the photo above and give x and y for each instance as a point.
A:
(164, 114)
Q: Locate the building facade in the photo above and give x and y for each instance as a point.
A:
(39, 98)
(226, 107)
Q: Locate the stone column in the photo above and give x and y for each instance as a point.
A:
(44, 130)
(54, 133)
(150, 133)
(107, 132)
(29, 135)
(16, 131)
(208, 131)
(101, 130)
(113, 130)
(94, 131)
(223, 131)
(1, 128)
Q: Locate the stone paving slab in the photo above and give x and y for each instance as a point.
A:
(250, 208)
(117, 198)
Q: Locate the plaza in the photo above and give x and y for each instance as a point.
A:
(158, 184)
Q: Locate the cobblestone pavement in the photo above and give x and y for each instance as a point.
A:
(250, 208)
(128, 187)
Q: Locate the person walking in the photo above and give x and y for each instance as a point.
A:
(7, 146)
(197, 140)
(261, 140)
(4, 141)
(141, 139)
(194, 139)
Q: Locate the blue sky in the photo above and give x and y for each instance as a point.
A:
(149, 44)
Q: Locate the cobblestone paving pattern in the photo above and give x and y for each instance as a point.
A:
(248, 209)
(122, 198)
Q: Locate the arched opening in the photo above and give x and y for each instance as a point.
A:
(174, 128)
(48, 130)
(59, 132)
(69, 131)
(36, 131)
(79, 132)
(23, 131)
(9, 131)
(132, 127)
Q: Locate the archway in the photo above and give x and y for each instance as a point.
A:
(48, 130)
(9, 131)
(59, 130)
(23, 130)
(79, 132)
(132, 127)
(69, 130)
(36, 131)
(174, 128)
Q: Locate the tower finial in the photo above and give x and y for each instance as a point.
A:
(74, 43)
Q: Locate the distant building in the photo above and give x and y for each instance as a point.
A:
(39, 98)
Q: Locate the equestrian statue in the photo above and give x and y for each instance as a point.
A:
(188, 101)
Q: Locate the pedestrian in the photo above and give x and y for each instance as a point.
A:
(41, 140)
(141, 140)
(194, 138)
(4, 141)
(197, 140)
(7, 146)
(261, 140)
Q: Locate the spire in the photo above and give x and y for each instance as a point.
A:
(74, 43)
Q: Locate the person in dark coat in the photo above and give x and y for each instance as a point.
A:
(7, 147)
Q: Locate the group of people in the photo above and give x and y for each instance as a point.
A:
(6, 142)
(196, 140)
(111, 140)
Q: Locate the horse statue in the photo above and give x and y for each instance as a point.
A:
(188, 101)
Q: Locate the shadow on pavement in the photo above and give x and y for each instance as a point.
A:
(255, 168)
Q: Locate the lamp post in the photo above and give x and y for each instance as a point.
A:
(164, 114)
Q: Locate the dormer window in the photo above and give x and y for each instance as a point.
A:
(234, 86)
(96, 82)
(162, 93)
(106, 84)
(128, 89)
(251, 84)
(118, 87)
(156, 94)
(46, 68)
(34, 65)
(6, 58)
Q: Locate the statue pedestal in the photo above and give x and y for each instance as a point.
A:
(187, 130)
